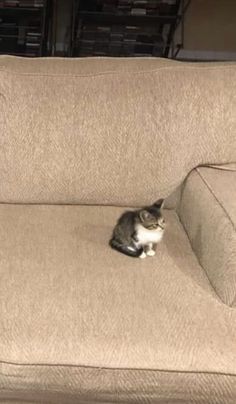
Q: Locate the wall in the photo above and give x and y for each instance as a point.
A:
(210, 30)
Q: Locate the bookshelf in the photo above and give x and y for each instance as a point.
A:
(124, 27)
(24, 27)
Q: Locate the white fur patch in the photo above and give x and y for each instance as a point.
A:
(143, 255)
(145, 236)
(151, 253)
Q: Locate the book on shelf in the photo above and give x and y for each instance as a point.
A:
(130, 38)
(8, 28)
(138, 11)
(31, 3)
(22, 3)
(10, 3)
(129, 7)
(32, 45)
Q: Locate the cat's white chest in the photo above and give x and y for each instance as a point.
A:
(145, 236)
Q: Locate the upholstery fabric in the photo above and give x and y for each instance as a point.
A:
(76, 385)
(208, 213)
(81, 323)
(102, 131)
(80, 320)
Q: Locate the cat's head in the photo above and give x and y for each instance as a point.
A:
(151, 217)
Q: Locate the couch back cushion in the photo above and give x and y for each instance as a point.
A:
(110, 131)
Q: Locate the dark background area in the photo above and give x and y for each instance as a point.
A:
(182, 29)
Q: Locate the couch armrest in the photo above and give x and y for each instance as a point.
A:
(208, 213)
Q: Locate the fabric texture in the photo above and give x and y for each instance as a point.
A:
(81, 323)
(69, 300)
(65, 137)
(208, 213)
(77, 385)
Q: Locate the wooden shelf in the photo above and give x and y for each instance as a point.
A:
(20, 10)
(147, 21)
(24, 30)
(126, 18)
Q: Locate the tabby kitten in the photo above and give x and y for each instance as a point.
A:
(137, 232)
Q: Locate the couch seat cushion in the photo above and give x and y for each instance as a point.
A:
(67, 299)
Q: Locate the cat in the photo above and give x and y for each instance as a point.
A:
(137, 232)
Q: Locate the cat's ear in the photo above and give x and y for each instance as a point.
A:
(144, 215)
(159, 204)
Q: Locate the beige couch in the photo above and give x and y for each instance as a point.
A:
(79, 141)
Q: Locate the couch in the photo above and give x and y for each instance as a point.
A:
(80, 141)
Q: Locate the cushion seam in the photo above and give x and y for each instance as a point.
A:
(220, 166)
(38, 365)
(122, 72)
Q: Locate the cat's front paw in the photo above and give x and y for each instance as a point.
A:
(151, 253)
(143, 255)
